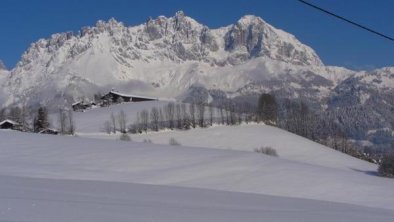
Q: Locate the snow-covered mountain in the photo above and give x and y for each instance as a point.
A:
(165, 56)
(175, 56)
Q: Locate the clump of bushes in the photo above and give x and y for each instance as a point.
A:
(386, 166)
(125, 137)
(147, 141)
(266, 150)
(173, 142)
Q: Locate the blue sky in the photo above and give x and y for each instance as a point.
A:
(337, 43)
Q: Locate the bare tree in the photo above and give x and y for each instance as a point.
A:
(201, 113)
(137, 123)
(122, 121)
(24, 117)
(113, 121)
(221, 114)
(154, 118)
(144, 117)
(227, 112)
(178, 116)
(161, 119)
(71, 125)
(210, 112)
(170, 114)
(192, 111)
(233, 117)
(185, 117)
(107, 127)
(62, 121)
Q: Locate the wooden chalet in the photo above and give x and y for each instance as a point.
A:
(117, 97)
(81, 106)
(9, 124)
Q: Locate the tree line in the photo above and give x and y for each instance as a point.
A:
(37, 120)
(178, 116)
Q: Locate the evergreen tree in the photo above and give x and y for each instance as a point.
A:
(41, 120)
(386, 167)
(267, 108)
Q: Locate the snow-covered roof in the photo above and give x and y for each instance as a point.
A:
(76, 103)
(129, 95)
(9, 121)
(50, 129)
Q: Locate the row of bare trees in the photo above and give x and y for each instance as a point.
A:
(66, 122)
(116, 123)
(179, 116)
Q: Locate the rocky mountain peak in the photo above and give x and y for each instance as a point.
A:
(111, 24)
(252, 37)
(178, 27)
(248, 20)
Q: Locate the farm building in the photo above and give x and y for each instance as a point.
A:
(9, 124)
(81, 106)
(49, 131)
(117, 97)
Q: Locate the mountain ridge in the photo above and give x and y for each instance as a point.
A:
(176, 40)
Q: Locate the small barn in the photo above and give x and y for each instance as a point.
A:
(49, 131)
(117, 97)
(81, 106)
(8, 124)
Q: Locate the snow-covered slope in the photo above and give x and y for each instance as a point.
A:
(23, 199)
(246, 137)
(249, 137)
(32, 155)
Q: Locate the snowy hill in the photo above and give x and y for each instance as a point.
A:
(249, 137)
(57, 157)
(246, 137)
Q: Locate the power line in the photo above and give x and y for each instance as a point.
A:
(347, 20)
